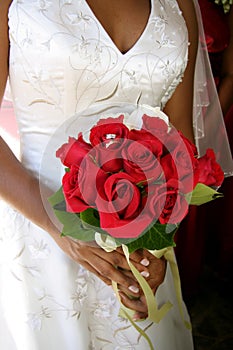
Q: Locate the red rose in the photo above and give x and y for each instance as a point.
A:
(190, 146)
(167, 203)
(109, 157)
(74, 151)
(209, 40)
(181, 161)
(108, 138)
(143, 135)
(210, 172)
(108, 129)
(169, 167)
(80, 185)
(140, 162)
(156, 126)
(120, 207)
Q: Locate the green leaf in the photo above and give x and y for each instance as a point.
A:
(157, 237)
(202, 194)
(91, 217)
(60, 206)
(56, 198)
(73, 226)
(84, 225)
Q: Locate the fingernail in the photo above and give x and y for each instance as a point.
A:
(145, 274)
(134, 289)
(144, 262)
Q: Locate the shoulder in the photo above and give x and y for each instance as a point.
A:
(4, 7)
(189, 13)
(4, 44)
(187, 7)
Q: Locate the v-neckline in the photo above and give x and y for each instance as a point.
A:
(122, 54)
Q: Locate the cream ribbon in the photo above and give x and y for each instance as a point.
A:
(169, 255)
(154, 313)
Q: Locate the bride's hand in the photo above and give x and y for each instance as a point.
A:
(107, 266)
(114, 267)
(156, 270)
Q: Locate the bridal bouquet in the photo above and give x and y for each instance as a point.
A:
(132, 187)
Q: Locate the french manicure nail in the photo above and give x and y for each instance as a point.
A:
(134, 289)
(144, 262)
(145, 274)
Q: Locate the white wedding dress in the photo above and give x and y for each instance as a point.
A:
(61, 62)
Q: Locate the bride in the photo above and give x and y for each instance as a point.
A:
(61, 57)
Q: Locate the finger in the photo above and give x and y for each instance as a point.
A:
(125, 279)
(88, 267)
(144, 271)
(86, 244)
(134, 304)
(110, 272)
(102, 263)
(115, 258)
(130, 291)
(137, 257)
(157, 270)
(140, 262)
(118, 259)
(129, 274)
(139, 315)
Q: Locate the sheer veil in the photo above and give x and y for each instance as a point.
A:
(208, 122)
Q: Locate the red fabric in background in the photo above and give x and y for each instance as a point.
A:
(215, 26)
(206, 235)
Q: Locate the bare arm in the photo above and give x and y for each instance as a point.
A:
(4, 52)
(11, 171)
(180, 106)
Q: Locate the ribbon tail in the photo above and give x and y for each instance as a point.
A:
(170, 257)
(154, 313)
(128, 314)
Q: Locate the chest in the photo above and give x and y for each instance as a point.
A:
(123, 20)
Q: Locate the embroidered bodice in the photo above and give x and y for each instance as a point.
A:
(62, 61)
